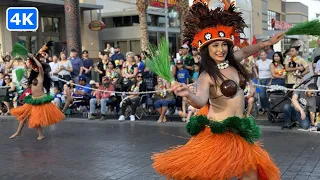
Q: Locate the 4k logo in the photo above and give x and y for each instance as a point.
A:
(22, 18)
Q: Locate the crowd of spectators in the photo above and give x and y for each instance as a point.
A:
(91, 85)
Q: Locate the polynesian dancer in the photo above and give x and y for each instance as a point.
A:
(222, 146)
(38, 108)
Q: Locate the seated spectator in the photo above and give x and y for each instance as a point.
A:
(94, 86)
(133, 99)
(102, 66)
(249, 93)
(139, 63)
(82, 91)
(112, 73)
(58, 97)
(163, 99)
(150, 79)
(10, 93)
(102, 98)
(129, 71)
(303, 109)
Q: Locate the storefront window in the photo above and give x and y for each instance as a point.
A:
(49, 24)
(125, 21)
(135, 46)
(272, 15)
(153, 38)
(29, 42)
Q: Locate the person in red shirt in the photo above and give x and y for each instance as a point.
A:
(103, 94)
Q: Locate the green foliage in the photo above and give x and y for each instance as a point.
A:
(19, 50)
(20, 73)
(306, 28)
(158, 60)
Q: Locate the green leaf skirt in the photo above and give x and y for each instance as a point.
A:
(245, 127)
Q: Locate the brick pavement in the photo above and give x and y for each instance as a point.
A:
(81, 149)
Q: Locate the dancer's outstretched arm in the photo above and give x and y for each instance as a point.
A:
(250, 50)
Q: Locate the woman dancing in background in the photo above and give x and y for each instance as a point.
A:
(222, 146)
(38, 108)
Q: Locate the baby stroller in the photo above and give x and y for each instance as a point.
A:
(277, 100)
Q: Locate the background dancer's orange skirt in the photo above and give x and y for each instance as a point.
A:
(219, 156)
(38, 115)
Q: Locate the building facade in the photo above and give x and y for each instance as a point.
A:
(52, 26)
(274, 16)
(122, 20)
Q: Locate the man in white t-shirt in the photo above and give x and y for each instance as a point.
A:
(54, 65)
(262, 70)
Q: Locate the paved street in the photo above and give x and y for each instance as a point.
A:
(80, 149)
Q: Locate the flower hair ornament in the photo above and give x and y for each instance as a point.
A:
(205, 25)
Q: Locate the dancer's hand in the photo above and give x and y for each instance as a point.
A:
(275, 39)
(180, 89)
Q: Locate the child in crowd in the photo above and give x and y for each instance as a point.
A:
(182, 76)
(58, 97)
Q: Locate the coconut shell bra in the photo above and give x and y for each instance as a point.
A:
(229, 88)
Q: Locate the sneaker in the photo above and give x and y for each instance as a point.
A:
(121, 118)
(91, 117)
(132, 118)
(313, 129)
(287, 126)
(103, 117)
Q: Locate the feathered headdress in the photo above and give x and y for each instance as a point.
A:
(41, 53)
(204, 25)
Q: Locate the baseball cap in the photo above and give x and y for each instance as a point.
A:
(184, 46)
(85, 51)
(116, 46)
(82, 78)
(73, 50)
(105, 77)
(92, 82)
(179, 62)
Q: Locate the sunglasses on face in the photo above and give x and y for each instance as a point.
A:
(139, 76)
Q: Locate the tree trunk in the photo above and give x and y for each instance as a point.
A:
(72, 15)
(182, 8)
(142, 6)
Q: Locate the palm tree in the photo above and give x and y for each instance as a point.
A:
(142, 6)
(182, 8)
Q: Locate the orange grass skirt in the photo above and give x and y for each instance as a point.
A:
(39, 115)
(208, 156)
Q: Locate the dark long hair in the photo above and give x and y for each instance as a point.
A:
(209, 66)
(281, 58)
(47, 81)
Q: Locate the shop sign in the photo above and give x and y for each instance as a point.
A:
(280, 25)
(160, 3)
(96, 25)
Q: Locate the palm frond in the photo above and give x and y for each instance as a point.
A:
(158, 60)
(19, 50)
(307, 28)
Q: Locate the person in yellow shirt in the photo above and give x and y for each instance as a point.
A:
(296, 68)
